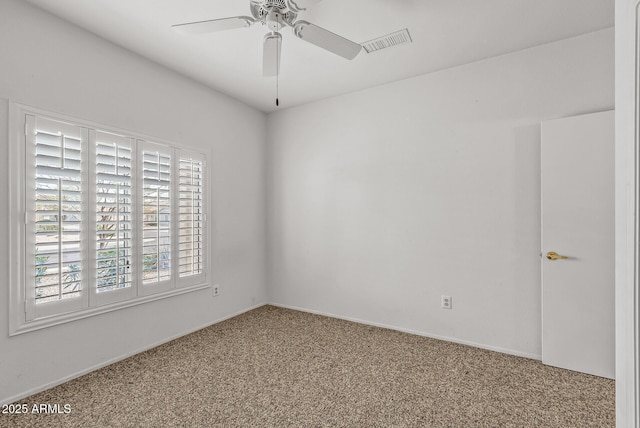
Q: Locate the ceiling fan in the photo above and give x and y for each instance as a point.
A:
(276, 14)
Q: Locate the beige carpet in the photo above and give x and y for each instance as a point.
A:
(274, 367)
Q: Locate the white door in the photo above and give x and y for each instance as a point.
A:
(578, 331)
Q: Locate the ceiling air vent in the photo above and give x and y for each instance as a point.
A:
(390, 40)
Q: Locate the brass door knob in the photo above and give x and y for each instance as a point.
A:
(552, 255)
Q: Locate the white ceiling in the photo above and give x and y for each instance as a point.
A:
(445, 33)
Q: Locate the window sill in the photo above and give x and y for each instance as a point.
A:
(89, 312)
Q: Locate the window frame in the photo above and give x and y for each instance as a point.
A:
(23, 314)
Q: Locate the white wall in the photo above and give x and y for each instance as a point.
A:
(47, 63)
(382, 200)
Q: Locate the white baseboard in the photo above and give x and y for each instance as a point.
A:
(415, 332)
(76, 375)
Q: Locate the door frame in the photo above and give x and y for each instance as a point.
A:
(627, 225)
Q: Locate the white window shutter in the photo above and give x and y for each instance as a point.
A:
(114, 159)
(156, 161)
(191, 217)
(56, 204)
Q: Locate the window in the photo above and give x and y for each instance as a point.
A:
(110, 219)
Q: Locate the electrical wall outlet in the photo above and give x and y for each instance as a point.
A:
(445, 302)
(216, 289)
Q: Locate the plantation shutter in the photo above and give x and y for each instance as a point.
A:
(114, 157)
(191, 216)
(56, 203)
(156, 213)
(109, 218)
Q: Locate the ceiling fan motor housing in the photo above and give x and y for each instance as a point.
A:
(274, 13)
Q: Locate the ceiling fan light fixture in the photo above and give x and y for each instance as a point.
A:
(390, 40)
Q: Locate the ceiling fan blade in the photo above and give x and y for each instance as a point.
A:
(301, 5)
(214, 25)
(271, 54)
(326, 40)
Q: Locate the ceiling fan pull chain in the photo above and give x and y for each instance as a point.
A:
(278, 76)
